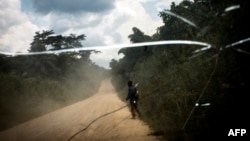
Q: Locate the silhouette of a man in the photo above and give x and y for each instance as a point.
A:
(133, 99)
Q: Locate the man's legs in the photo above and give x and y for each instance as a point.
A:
(132, 108)
(137, 110)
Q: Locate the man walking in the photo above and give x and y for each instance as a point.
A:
(133, 99)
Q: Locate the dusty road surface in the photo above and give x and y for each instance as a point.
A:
(75, 122)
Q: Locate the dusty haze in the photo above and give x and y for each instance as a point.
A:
(68, 123)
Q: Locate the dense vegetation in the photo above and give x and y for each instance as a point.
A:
(174, 82)
(37, 84)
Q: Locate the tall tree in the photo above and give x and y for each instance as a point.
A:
(51, 65)
(131, 55)
(40, 41)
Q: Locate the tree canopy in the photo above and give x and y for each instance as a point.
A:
(173, 79)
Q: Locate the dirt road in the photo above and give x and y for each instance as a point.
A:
(74, 122)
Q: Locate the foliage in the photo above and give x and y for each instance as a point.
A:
(48, 41)
(39, 84)
(172, 79)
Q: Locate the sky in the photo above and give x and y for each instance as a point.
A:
(103, 22)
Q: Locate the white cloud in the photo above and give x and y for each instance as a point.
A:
(104, 28)
(16, 30)
(165, 4)
(134, 15)
(18, 37)
(141, 19)
(9, 15)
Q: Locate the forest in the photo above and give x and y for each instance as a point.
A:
(188, 93)
(32, 85)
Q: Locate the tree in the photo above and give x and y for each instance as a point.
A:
(138, 36)
(51, 65)
(40, 41)
(113, 63)
(220, 74)
(132, 55)
(48, 41)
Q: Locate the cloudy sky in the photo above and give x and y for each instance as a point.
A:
(104, 22)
